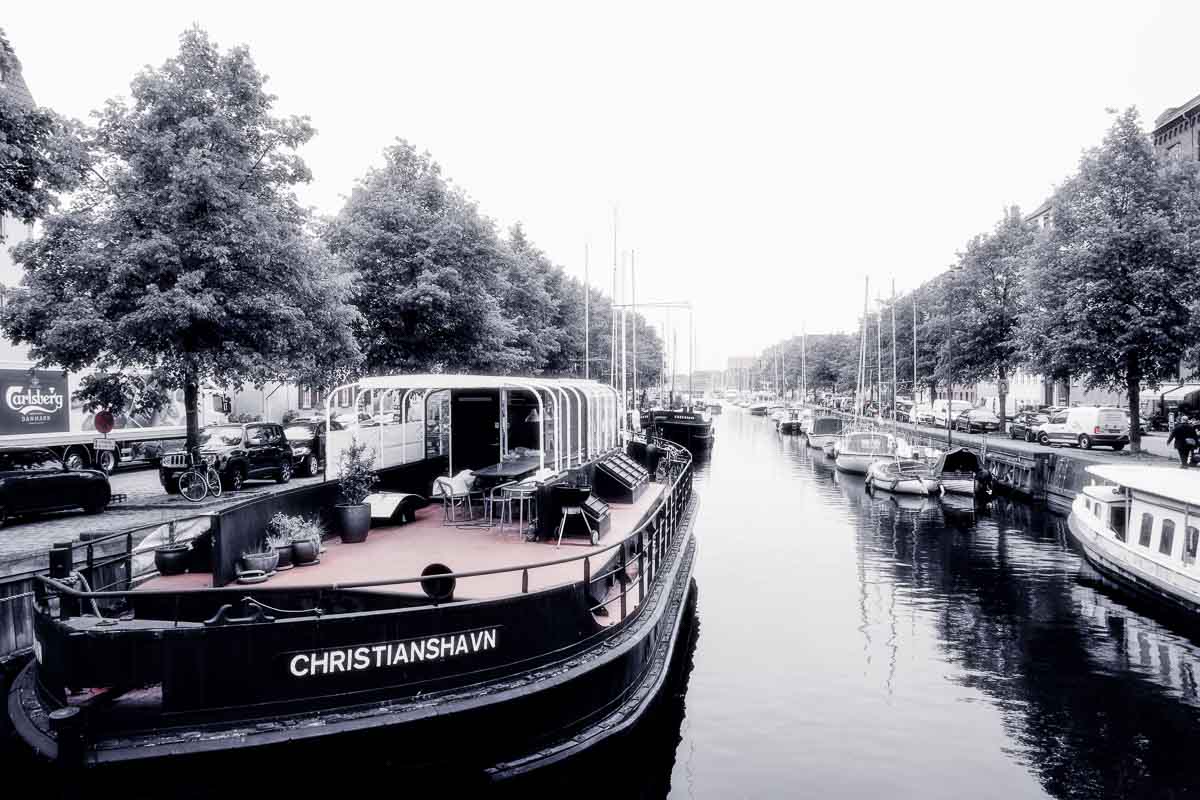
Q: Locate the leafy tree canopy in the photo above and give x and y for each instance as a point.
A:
(40, 153)
(187, 254)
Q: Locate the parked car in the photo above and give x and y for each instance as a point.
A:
(1026, 424)
(942, 408)
(33, 479)
(977, 419)
(251, 450)
(904, 410)
(348, 418)
(307, 437)
(923, 415)
(1084, 427)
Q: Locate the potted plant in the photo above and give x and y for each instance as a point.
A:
(279, 536)
(306, 542)
(356, 477)
(264, 560)
(171, 557)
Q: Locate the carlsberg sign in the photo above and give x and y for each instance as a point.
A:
(34, 402)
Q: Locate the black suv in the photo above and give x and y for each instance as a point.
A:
(33, 479)
(239, 453)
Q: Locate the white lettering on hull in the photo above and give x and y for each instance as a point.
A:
(392, 654)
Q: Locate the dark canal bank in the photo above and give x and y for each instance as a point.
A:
(843, 645)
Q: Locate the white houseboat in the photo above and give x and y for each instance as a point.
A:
(1141, 526)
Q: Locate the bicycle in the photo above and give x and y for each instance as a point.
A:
(200, 479)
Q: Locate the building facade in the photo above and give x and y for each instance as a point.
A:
(1177, 131)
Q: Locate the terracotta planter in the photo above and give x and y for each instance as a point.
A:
(304, 551)
(353, 522)
(171, 559)
(285, 556)
(264, 562)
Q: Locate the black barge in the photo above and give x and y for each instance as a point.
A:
(509, 663)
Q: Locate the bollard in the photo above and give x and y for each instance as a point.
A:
(67, 726)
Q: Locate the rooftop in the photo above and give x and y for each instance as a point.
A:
(1171, 483)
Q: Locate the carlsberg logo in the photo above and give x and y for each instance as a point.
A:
(33, 401)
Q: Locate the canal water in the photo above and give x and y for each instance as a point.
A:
(858, 646)
(848, 645)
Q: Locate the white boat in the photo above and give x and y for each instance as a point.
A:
(1141, 527)
(859, 449)
(902, 476)
(824, 431)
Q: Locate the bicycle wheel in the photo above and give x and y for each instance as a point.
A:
(214, 481)
(193, 486)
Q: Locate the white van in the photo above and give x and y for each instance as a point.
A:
(1084, 427)
(956, 407)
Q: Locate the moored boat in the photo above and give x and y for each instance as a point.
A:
(960, 471)
(902, 476)
(690, 427)
(792, 423)
(497, 630)
(859, 449)
(1140, 526)
(824, 431)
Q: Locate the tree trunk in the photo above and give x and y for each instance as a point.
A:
(191, 397)
(1002, 390)
(1133, 380)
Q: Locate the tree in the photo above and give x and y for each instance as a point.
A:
(983, 301)
(431, 272)
(40, 153)
(186, 255)
(1117, 276)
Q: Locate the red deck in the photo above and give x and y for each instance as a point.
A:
(402, 551)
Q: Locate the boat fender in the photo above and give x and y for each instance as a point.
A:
(439, 590)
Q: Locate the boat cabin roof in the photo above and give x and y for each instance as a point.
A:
(1180, 485)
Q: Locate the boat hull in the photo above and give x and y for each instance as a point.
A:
(855, 463)
(1115, 562)
(542, 712)
(791, 427)
(819, 441)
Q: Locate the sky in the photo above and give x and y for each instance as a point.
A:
(762, 159)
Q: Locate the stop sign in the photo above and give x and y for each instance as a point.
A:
(104, 421)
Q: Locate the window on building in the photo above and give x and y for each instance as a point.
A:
(1174, 150)
(1191, 543)
(1166, 541)
(1147, 529)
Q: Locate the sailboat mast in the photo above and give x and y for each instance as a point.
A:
(879, 362)
(803, 364)
(862, 352)
(914, 391)
(633, 292)
(893, 349)
(587, 318)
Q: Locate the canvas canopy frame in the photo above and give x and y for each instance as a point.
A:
(583, 415)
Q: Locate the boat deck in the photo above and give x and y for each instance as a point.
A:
(402, 551)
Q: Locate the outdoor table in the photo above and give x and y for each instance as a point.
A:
(506, 471)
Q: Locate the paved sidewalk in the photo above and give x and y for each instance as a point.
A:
(24, 542)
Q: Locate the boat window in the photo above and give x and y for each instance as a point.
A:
(1087, 504)
(1166, 542)
(1147, 528)
(1191, 543)
(1116, 521)
(1097, 508)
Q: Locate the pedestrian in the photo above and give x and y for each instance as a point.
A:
(1184, 436)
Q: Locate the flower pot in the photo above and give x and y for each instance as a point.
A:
(353, 522)
(264, 562)
(171, 559)
(304, 551)
(284, 553)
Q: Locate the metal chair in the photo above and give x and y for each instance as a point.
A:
(457, 493)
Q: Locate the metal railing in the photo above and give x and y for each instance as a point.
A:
(650, 541)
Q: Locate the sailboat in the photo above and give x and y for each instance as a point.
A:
(861, 446)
